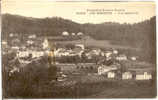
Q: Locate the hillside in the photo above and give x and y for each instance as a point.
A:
(46, 27)
(139, 35)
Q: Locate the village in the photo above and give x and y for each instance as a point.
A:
(109, 63)
(77, 50)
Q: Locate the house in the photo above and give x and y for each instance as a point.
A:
(11, 35)
(45, 44)
(22, 54)
(102, 54)
(64, 53)
(15, 47)
(24, 61)
(93, 52)
(80, 45)
(144, 76)
(61, 53)
(72, 53)
(96, 51)
(30, 42)
(79, 33)
(121, 57)
(4, 42)
(32, 36)
(86, 66)
(56, 51)
(36, 54)
(78, 51)
(65, 33)
(133, 58)
(89, 54)
(108, 53)
(111, 74)
(73, 34)
(103, 69)
(115, 52)
(127, 75)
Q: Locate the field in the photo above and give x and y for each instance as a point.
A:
(90, 42)
(88, 87)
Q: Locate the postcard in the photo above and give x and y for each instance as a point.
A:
(78, 49)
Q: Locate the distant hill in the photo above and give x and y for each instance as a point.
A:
(140, 35)
(47, 26)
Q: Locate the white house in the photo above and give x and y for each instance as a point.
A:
(11, 34)
(79, 33)
(121, 57)
(37, 54)
(45, 44)
(108, 53)
(73, 34)
(72, 54)
(115, 52)
(27, 53)
(4, 42)
(22, 61)
(32, 36)
(102, 54)
(145, 76)
(127, 75)
(65, 33)
(61, 53)
(22, 54)
(15, 47)
(80, 45)
(30, 42)
(111, 75)
(79, 53)
(65, 53)
(133, 58)
(57, 51)
(104, 69)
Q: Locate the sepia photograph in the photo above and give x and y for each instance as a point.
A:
(78, 49)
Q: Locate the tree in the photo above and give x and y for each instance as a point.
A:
(83, 57)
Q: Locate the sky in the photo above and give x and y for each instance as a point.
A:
(82, 12)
